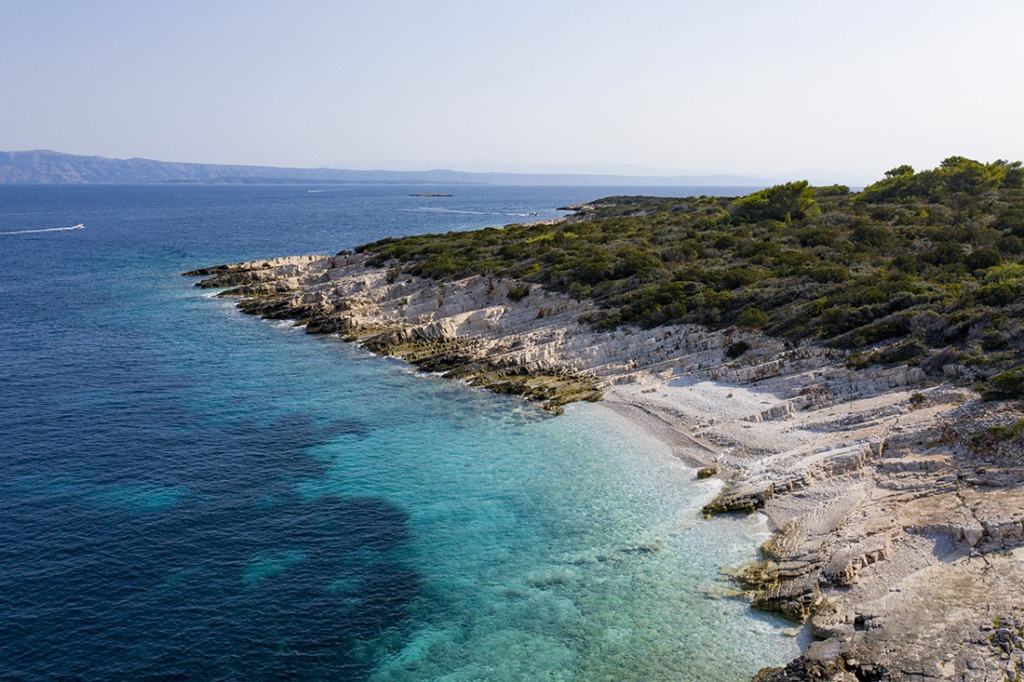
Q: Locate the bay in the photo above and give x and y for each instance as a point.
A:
(189, 492)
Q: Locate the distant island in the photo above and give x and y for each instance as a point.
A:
(49, 167)
(849, 364)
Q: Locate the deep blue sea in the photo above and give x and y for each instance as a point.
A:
(187, 492)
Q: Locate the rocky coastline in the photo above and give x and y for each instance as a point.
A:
(896, 501)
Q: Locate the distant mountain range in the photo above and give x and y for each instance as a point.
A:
(48, 167)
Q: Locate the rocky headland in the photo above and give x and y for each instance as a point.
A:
(896, 498)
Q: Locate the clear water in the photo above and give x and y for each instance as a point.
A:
(189, 492)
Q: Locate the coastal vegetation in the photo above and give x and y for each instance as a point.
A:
(859, 472)
(924, 268)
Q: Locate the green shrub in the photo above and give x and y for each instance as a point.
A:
(829, 274)
(1011, 221)
(943, 254)
(790, 201)
(998, 433)
(870, 234)
(518, 292)
(907, 352)
(632, 260)
(1004, 273)
(901, 184)
(752, 318)
(983, 258)
(741, 276)
(737, 349)
(857, 361)
(999, 294)
(1011, 245)
(818, 235)
(832, 191)
(1005, 386)
(960, 174)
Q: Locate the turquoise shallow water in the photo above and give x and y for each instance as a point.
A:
(187, 491)
(548, 548)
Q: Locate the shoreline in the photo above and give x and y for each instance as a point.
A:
(883, 504)
(892, 578)
(683, 447)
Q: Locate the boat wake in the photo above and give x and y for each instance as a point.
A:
(79, 226)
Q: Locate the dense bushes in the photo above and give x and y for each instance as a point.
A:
(955, 175)
(915, 264)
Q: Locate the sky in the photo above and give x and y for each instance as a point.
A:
(764, 87)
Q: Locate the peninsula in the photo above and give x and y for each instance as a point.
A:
(849, 364)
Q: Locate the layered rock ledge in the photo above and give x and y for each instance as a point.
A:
(897, 504)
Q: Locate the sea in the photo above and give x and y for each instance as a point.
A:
(187, 492)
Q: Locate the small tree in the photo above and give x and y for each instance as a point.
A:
(905, 169)
(753, 318)
(793, 200)
(960, 174)
(1005, 386)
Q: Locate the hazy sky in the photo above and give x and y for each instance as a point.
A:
(758, 86)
